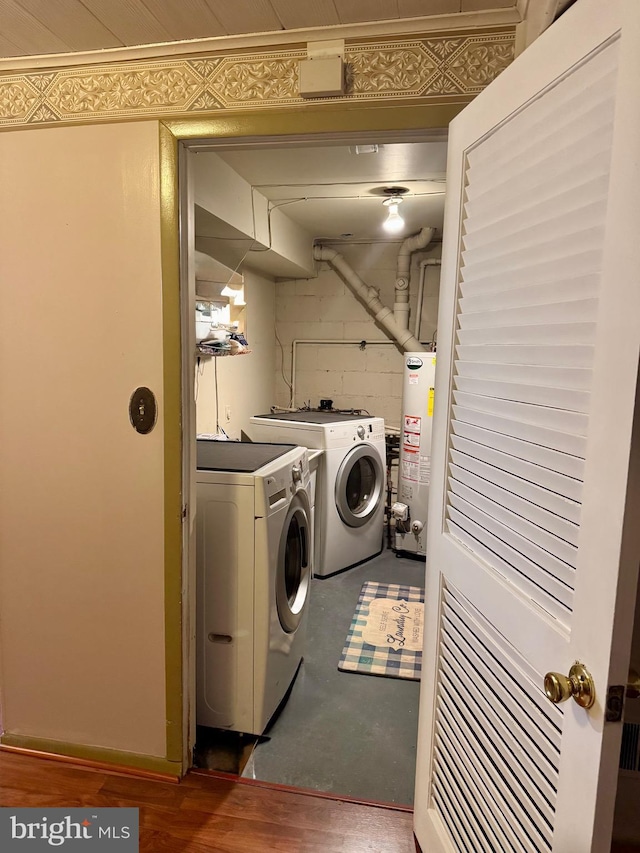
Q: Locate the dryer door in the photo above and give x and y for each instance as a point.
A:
(359, 485)
(294, 564)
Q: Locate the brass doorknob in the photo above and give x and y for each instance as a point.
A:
(578, 685)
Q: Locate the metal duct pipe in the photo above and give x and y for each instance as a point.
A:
(369, 297)
(412, 244)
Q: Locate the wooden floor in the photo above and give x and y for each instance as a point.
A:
(204, 814)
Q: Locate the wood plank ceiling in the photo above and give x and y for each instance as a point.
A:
(36, 27)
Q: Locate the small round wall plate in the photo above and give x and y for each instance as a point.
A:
(143, 410)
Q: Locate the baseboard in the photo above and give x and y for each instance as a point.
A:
(97, 758)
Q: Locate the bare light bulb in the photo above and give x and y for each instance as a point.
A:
(394, 223)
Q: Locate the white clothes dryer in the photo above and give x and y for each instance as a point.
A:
(254, 561)
(350, 486)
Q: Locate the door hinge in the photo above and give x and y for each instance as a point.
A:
(185, 511)
(615, 703)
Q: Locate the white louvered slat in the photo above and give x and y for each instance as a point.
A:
(565, 486)
(564, 463)
(458, 814)
(546, 167)
(549, 418)
(554, 334)
(575, 445)
(504, 744)
(497, 743)
(573, 378)
(540, 734)
(570, 356)
(495, 546)
(564, 508)
(508, 260)
(547, 541)
(542, 294)
(516, 549)
(582, 310)
(563, 113)
(540, 395)
(576, 192)
(494, 801)
(544, 519)
(536, 837)
(464, 778)
(532, 198)
(494, 644)
(468, 532)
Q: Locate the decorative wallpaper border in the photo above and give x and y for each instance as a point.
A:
(443, 68)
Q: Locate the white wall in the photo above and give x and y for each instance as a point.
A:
(81, 493)
(246, 383)
(325, 308)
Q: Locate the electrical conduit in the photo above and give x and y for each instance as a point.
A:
(369, 297)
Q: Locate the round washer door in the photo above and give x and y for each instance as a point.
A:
(294, 565)
(359, 485)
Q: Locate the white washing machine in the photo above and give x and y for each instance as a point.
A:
(350, 488)
(254, 562)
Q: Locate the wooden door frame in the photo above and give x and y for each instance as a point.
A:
(317, 125)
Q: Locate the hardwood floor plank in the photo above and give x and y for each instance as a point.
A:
(144, 792)
(205, 814)
(298, 810)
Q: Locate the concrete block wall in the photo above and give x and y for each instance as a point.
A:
(324, 308)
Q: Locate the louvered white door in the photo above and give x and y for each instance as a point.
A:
(534, 547)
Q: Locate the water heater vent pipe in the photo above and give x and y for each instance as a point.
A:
(412, 244)
(369, 297)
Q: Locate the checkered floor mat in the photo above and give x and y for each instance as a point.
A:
(385, 637)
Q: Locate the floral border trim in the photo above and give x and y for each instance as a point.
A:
(451, 67)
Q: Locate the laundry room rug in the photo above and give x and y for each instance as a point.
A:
(385, 637)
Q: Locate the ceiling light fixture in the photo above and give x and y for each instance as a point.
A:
(394, 223)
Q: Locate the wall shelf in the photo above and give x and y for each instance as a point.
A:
(206, 352)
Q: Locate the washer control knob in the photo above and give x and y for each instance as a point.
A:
(360, 432)
(296, 473)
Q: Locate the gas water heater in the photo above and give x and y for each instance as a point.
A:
(414, 472)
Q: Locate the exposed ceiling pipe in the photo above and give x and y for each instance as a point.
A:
(412, 244)
(369, 297)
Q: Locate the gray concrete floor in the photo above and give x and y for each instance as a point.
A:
(341, 732)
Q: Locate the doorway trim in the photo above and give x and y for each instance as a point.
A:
(312, 125)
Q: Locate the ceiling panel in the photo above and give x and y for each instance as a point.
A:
(479, 5)
(332, 192)
(313, 13)
(129, 20)
(8, 48)
(420, 8)
(306, 166)
(244, 16)
(26, 32)
(188, 19)
(355, 11)
(73, 23)
(32, 27)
